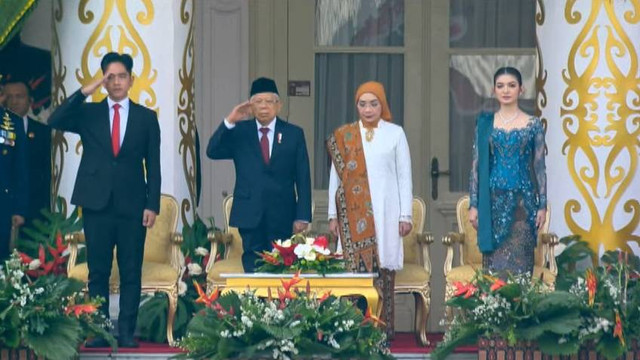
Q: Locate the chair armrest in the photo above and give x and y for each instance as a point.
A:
(424, 240)
(216, 238)
(177, 238)
(176, 256)
(73, 239)
(448, 241)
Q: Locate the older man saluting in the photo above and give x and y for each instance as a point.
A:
(272, 195)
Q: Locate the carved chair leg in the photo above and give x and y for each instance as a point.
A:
(172, 296)
(422, 304)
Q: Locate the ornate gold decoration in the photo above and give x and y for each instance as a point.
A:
(59, 144)
(186, 115)
(619, 137)
(100, 43)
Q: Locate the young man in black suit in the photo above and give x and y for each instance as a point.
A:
(19, 100)
(121, 144)
(272, 195)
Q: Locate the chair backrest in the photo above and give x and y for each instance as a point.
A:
(409, 242)
(157, 246)
(234, 250)
(470, 253)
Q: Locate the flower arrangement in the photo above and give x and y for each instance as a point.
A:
(42, 245)
(48, 314)
(601, 309)
(294, 325)
(301, 253)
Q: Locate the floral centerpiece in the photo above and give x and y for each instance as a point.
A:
(600, 309)
(292, 325)
(48, 315)
(301, 253)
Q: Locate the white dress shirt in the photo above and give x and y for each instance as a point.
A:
(270, 134)
(124, 116)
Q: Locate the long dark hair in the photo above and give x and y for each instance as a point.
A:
(508, 70)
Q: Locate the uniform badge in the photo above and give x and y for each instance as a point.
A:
(31, 135)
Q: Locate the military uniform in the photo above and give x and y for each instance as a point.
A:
(14, 176)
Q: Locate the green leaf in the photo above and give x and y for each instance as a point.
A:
(59, 341)
(550, 344)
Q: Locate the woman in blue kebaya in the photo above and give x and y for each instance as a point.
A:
(508, 182)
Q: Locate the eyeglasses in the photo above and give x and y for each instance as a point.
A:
(269, 102)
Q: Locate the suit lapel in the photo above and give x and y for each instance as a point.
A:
(277, 140)
(104, 124)
(133, 112)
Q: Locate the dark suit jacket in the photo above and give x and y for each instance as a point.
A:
(266, 189)
(14, 178)
(39, 146)
(101, 175)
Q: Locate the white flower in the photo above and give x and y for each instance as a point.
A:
(34, 264)
(286, 243)
(321, 250)
(202, 251)
(305, 251)
(194, 269)
(182, 288)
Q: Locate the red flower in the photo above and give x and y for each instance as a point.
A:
(617, 330)
(497, 284)
(464, 289)
(288, 256)
(321, 241)
(592, 285)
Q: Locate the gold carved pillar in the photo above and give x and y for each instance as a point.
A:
(589, 94)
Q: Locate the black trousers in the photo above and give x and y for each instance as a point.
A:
(105, 229)
(259, 239)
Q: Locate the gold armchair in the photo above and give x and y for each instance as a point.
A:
(231, 259)
(415, 276)
(470, 257)
(161, 267)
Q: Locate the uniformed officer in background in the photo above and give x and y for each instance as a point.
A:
(14, 176)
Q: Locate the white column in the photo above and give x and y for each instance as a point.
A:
(159, 36)
(591, 102)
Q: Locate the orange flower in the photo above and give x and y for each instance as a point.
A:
(617, 330)
(325, 296)
(287, 285)
(592, 284)
(497, 284)
(78, 310)
(267, 257)
(202, 296)
(369, 317)
(294, 280)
